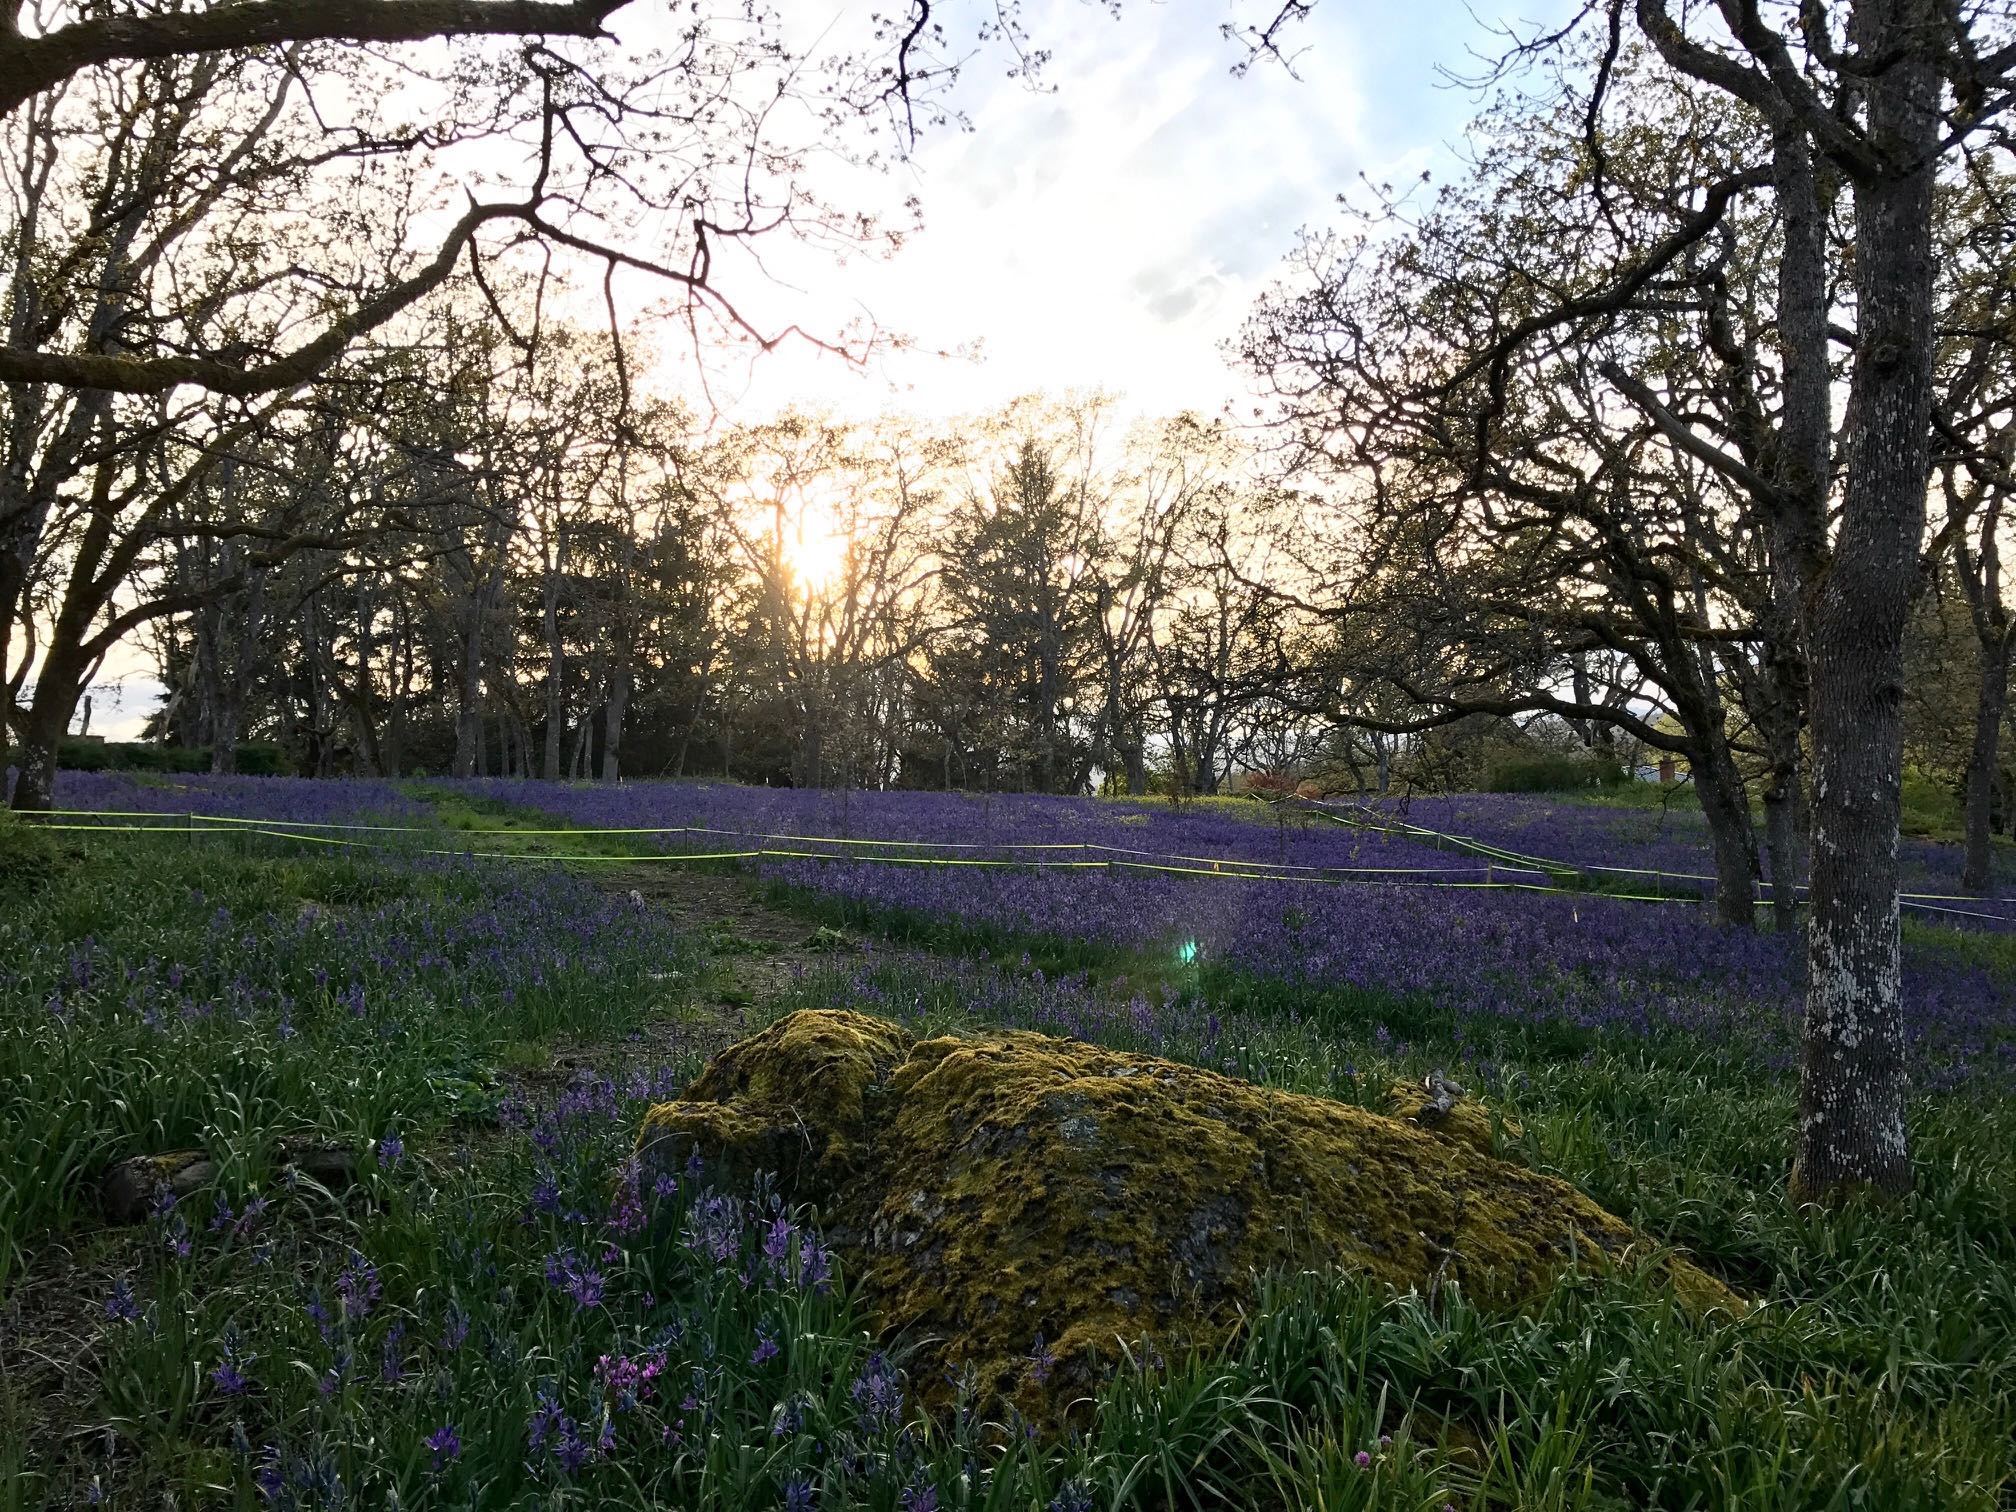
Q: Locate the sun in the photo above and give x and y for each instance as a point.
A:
(815, 544)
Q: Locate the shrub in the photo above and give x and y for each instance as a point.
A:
(254, 759)
(29, 858)
(1554, 772)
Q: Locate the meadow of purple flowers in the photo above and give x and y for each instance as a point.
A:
(502, 1312)
(1338, 912)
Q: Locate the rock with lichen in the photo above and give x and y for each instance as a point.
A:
(1029, 1206)
(132, 1186)
(129, 1189)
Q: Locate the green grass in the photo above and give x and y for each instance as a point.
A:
(493, 825)
(143, 992)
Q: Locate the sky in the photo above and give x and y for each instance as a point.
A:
(1107, 230)
(1111, 230)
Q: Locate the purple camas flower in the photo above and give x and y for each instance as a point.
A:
(392, 1358)
(121, 1303)
(573, 1450)
(714, 1227)
(228, 1374)
(568, 1272)
(766, 1348)
(777, 1244)
(626, 1215)
(391, 1150)
(546, 1192)
(318, 1314)
(815, 1265)
(445, 1444)
(269, 1480)
(454, 1328)
(878, 1394)
(358, 1287)
(545, 1422)
(1072, 1496)
(1041, 1361)
(798, 1496)
(790, 1417)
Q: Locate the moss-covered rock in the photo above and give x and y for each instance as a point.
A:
(793, 1100)
(1026, 1205)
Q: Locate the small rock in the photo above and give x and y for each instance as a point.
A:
(128, 1189)
(331, 1166)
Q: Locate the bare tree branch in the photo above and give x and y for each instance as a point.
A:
(29, 65)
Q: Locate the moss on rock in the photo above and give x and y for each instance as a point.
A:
(794, 1099)
(1028, 1205)
(1469, 1122)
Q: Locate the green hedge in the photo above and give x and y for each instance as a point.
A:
(254, 759)
(1555, 773)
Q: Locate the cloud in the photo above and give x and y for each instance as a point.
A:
(1112, 229)
(1113, 232)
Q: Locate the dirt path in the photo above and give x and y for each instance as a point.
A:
(756, 954)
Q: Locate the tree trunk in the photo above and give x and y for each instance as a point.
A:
(1851, 1105)
(402, 689)
(612, 724)
(35, 777)
(220, 693)
(809, 761)
(1135, 756)
(556, 668)
(1781, 844)
(43, 725)
(1982, 766)
(1796, 532)
(224, 734)
(1731, 837)
(13, 581)
(363, 716)
(468, 709)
